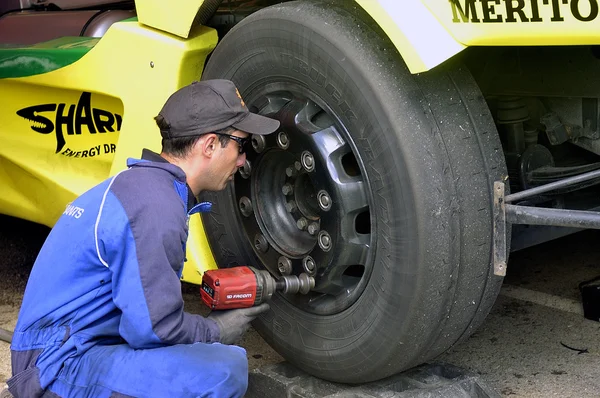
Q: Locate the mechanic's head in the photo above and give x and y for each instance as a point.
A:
(205, 127)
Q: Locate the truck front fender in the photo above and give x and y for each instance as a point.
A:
(417, 34)
(171, 17)
(428, 32)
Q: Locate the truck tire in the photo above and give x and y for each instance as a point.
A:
(392, 174)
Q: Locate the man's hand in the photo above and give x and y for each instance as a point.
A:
(234, 323)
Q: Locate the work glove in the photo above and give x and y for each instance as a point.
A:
(234, 323)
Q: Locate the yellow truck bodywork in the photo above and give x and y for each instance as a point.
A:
(129, 73)
(428, 32)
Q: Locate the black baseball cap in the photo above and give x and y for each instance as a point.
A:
(210, 105)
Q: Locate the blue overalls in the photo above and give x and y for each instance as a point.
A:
(102, 314)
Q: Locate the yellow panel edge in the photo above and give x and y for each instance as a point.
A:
(161, 14)
(198, 253)
(404, 23)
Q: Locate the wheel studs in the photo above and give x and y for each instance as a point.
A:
(284, 265)
(287, 189)
(313, 228)
(291, 172)
(324, 241)
(302, 223)
(308, 161)
(291, 206)
(245, 205)
(283, 140)
(324, 200)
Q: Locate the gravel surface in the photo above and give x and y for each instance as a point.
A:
(518, 351)
(19, 243)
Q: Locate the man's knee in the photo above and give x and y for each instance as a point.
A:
(235, 366)
(228, 371)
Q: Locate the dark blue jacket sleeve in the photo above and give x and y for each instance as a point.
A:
(141, 242)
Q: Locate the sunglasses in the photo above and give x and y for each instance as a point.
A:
(242, 142)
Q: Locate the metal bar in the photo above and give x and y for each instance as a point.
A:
(552, 186)
(556, 217)
(499, 247)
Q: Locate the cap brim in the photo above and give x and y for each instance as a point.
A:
(257, 124)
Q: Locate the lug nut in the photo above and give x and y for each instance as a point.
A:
(258, 143)
(284, 265)
(291, 206)
(324, 200)
(291, 172)
(313, 228)
(246, 170)
(246, 206)
(260, 243)
(324, 241)
(302, 223)
(308, 161)
(287, 189)
(308, 263)
(283, 140)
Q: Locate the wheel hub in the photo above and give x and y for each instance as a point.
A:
(284, 205)
(302, 196)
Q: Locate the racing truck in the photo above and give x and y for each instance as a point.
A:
(421, 142)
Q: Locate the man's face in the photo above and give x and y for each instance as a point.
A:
(227, 160)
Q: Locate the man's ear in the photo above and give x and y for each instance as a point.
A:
(208, 145)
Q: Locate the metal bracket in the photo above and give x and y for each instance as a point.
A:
(505, 213)
(500, 251)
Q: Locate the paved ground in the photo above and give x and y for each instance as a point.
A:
(518, 351)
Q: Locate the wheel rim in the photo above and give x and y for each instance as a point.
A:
(304, 199)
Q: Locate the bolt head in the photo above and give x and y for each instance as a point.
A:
(245, 206)
(291, 206)
(287, 189)
(313, 228)
(324, 241)
(309, 264)
(308, 161)
(324, 200)
(284, 265)
(246, 170)
(291, 172)
(260, 243)
(283, 138)
(298, 166)
(302, 223)
(258, 143)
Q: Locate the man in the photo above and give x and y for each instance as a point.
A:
(102, 314)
